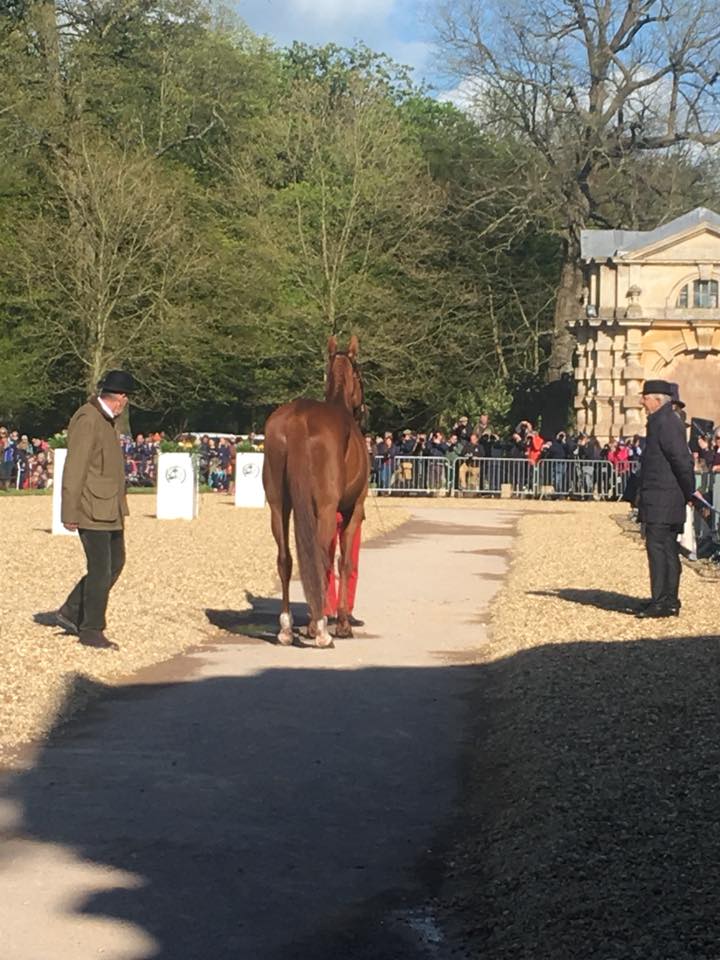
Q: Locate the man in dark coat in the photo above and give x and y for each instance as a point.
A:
(94, 503)
(667, 484)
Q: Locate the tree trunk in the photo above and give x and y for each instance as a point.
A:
(560, 388)
(43, 16)
(567, 311)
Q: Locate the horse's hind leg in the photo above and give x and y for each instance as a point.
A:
(326, 527)
(349, 557)
(280, 521)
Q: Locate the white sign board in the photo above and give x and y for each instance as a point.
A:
(59, 457)
(687, 538)
(249, 491)
(177, 491)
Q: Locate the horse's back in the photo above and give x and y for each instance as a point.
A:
(311, 418)
(321, 438)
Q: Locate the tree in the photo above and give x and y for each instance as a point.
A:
(112, 117)
(589, 87)
(500, 267)
(333, 204)
(109, 266)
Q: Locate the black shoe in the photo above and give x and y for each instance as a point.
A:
(56, 618)
(657, 611)
(353, 621)
(66, 622)
(672, 604)
(97, 639)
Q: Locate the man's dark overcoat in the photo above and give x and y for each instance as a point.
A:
(667, 479)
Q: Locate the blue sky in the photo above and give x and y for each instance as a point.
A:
(400, 28)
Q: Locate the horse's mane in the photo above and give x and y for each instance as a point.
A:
(339, 389)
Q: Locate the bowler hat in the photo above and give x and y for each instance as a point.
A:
(117, 381)
(675, 394)
(657, 386)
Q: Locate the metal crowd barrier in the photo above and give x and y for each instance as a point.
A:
(428, 475)
(714, 491)
(500, 477)
(583, 479)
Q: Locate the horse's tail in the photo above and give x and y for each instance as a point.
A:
(299, 479)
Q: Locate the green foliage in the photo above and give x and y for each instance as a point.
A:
(171, 446)
(58, 441)
(181, 199)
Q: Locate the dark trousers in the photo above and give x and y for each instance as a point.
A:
(664, 560)
(88, 600)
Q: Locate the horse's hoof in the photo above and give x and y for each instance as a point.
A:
(343, 631)
(285, 638)
(324, 643)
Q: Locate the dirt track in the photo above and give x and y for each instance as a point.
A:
(257, 802)
(304, 803)
(591, 802)
(175, 571)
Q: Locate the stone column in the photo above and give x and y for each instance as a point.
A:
(581, 380)
(634, 375)
(618, 383)
(603, 381)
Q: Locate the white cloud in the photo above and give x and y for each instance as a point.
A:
(412, 53)
(342, 9)
(394, 27)
(466, 96)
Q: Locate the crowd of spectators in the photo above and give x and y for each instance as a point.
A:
(464, 446)
(215, 455)
(27, 463)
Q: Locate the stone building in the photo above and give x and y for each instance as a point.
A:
(649, 310)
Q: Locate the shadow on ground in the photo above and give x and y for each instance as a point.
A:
(591, 799)
(602, 599)
(260, 621)
(280, 815)
(288, 814)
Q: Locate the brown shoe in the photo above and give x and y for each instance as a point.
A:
(97, 639)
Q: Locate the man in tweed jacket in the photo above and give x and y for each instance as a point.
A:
(95, 504)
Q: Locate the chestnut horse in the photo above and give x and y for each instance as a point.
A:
(316, 466)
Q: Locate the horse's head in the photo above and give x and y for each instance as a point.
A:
(343, 383)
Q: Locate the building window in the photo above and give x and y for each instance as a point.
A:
(704, 295)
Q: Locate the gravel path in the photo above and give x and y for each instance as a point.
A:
(591, 793)
(260, 802)
(593, 783)
(175, 571)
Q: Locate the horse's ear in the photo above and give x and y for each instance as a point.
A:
(332, 346)
(354, 348)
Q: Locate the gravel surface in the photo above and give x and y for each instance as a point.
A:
(176, 570)
(592, 787)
